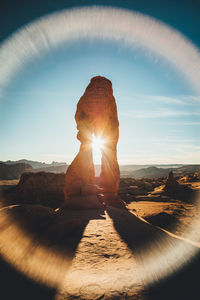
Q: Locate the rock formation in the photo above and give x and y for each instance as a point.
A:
(41, 188)
(171, 182)
(96, 114)
(178, 191)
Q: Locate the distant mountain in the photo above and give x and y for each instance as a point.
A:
(36, 164)
(13, 171)
(150, 172)
(188, 169)
(135, 171)
(137, 167)
(53, 169)
(127, 170)
(155, 172)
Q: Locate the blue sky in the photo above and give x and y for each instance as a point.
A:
(159, 118)
(158, 111)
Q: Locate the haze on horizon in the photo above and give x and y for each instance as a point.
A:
(158, 111)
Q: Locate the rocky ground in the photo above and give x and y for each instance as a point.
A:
(104, 254)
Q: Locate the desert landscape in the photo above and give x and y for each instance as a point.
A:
(89, 231)
(105, 244)
(99, 162)
(143, 196)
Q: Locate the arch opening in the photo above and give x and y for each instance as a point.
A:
(97, 145)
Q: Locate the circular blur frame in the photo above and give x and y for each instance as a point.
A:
(130, 29)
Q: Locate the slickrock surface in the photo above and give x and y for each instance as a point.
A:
(120, 256)
(110, 254)
(102, 265)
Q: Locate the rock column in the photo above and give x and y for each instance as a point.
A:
(96, 114)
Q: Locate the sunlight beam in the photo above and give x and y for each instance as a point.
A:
(97, 145)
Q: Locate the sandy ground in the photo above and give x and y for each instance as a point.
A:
(182, 213)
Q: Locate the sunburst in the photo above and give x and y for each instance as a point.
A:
(97, 143)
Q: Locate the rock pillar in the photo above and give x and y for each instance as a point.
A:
(96, 114)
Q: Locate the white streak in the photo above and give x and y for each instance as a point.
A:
(131, 29)
(128, 28)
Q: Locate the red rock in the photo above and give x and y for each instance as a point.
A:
(96, 114)
(171, 181)
(41, 188)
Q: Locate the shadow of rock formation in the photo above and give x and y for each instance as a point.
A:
(144, 239)
(163, 220)
(15, 285)
(59, 231)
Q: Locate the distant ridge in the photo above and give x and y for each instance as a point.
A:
(53, 169)
(151, 172)
(35, 164)
(128, 170)
(155, 172)
(14, 169)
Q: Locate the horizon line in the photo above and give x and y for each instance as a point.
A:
(120, 164)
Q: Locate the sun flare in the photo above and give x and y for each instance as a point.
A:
(97, 143)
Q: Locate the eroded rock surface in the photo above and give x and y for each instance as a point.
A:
(41, 188)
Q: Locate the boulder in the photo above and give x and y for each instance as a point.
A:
(41, 188)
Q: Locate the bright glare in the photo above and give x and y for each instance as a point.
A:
(97, 143)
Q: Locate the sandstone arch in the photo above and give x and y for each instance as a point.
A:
(96, 114)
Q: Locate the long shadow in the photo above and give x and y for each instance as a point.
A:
(70, 242)
(15, 285)
(142, 238)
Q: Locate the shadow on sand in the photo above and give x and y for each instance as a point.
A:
(137, 234)
(183, 284)
(15, 285)
(70, 242)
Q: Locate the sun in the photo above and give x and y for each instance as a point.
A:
(97, 143)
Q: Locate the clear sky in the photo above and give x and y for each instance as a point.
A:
(158, 111)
